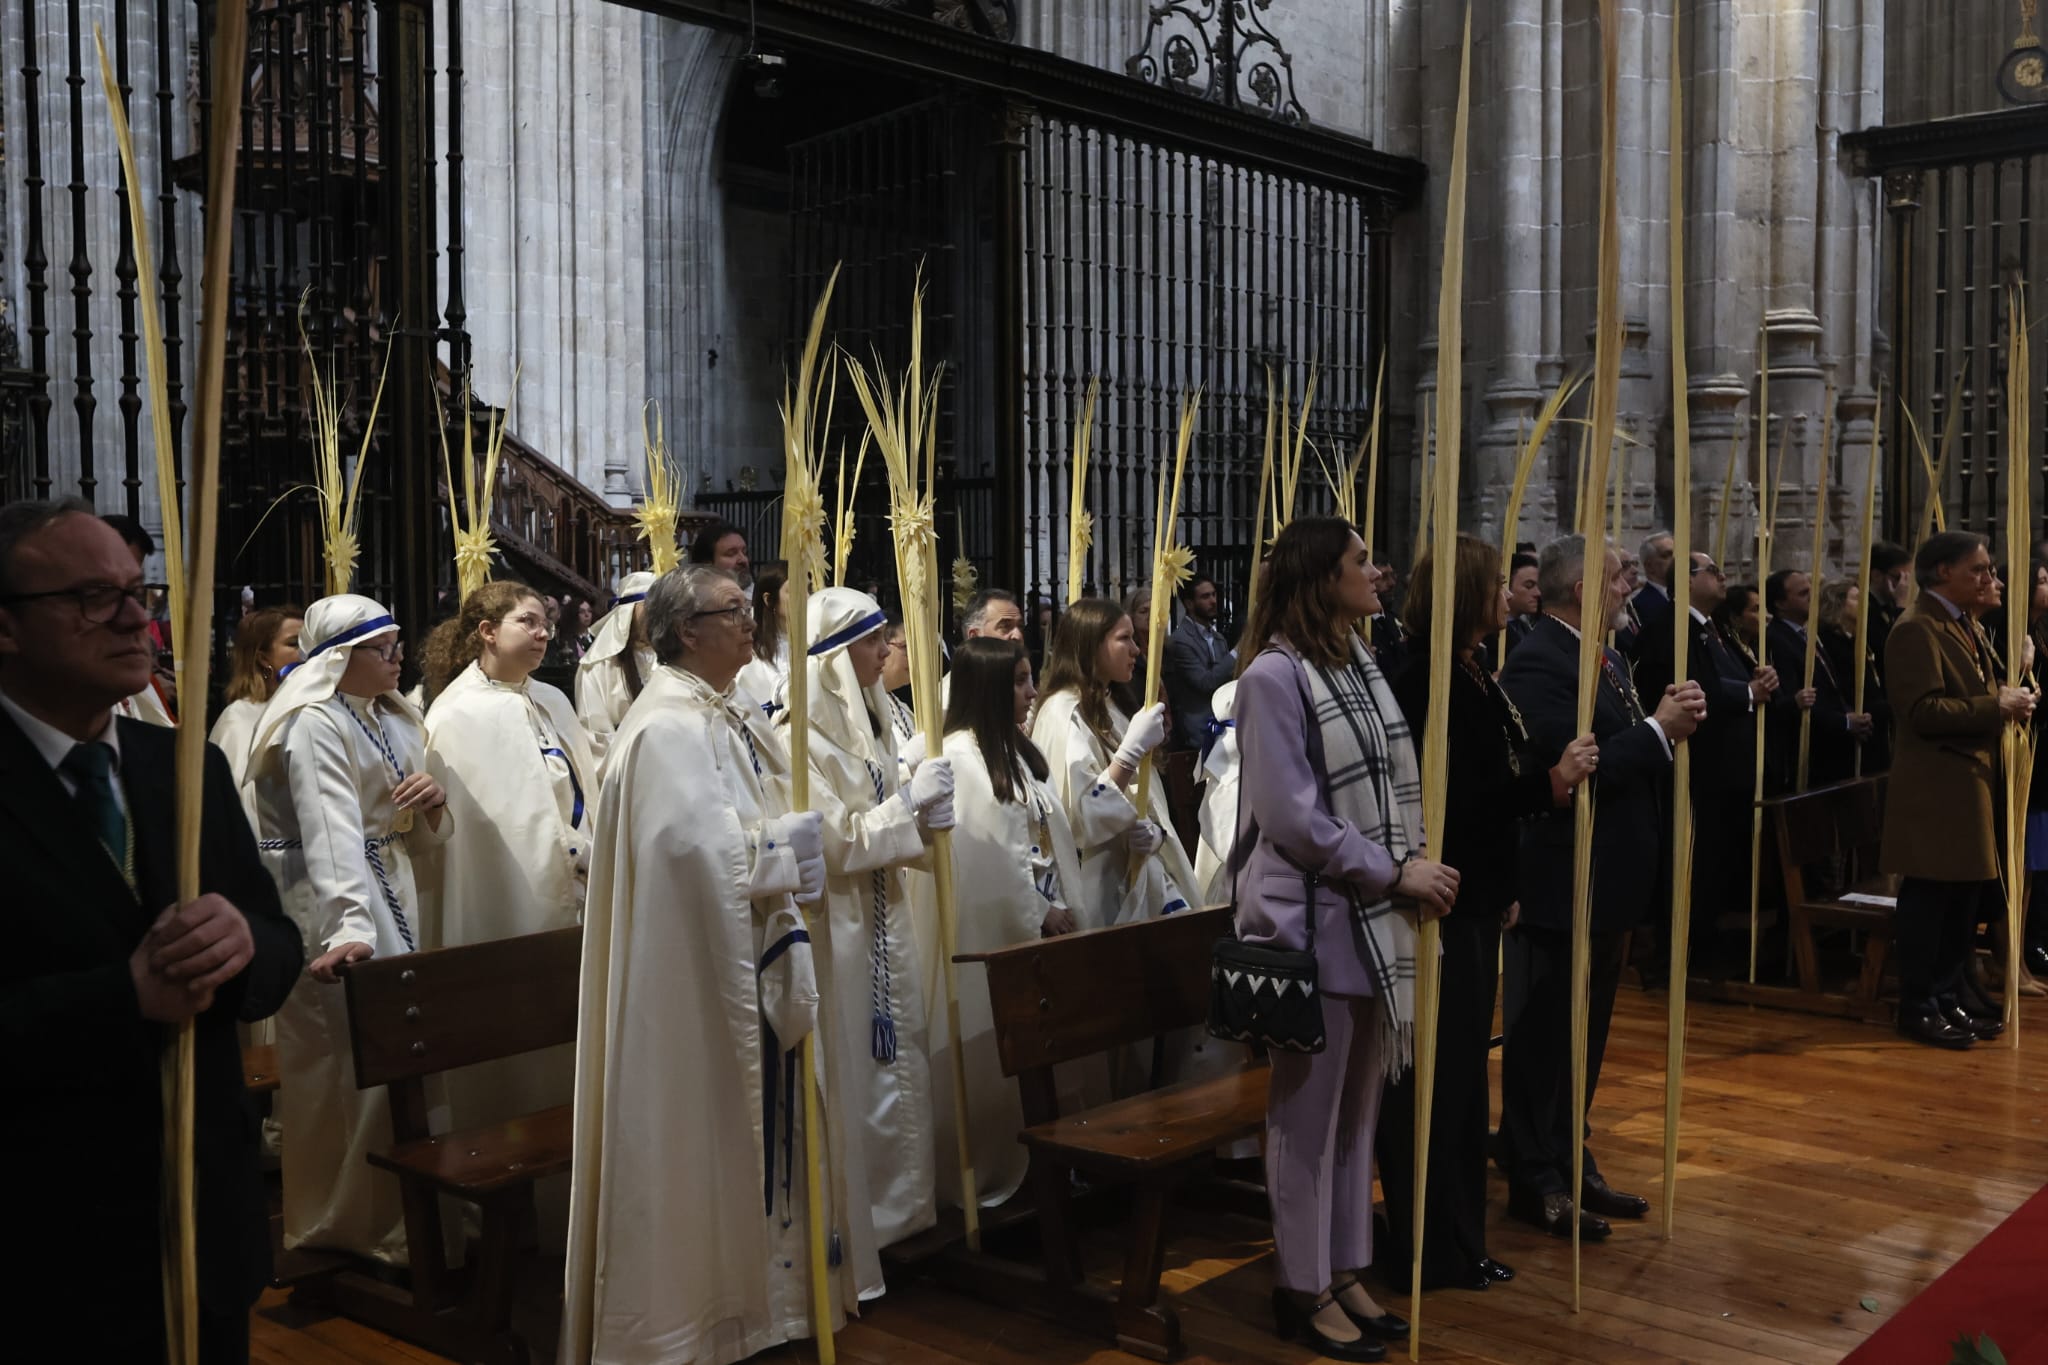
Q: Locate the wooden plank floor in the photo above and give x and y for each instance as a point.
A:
(1824, 1163)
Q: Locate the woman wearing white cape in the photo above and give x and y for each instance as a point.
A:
(616, 667)
(266, 643)
(1013, 858)
(1219, 799)
(341, 794)
(522, 789)
(1132, 867)
(873, 827)
(688, 1231)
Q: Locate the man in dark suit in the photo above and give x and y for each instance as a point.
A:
(1891, 584)
(1198, 661)
(104, 963)
(1836, 729)
(1538, 1127)
(1946, 787)
(1723, 748)
(1653, 599)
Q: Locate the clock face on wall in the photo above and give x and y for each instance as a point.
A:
(2023, 77)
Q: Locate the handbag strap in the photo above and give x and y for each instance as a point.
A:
(1247, 840)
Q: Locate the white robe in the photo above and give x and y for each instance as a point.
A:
(672, 1254)
(515, 863)
(1012, 860)
(322, 798)
(1219, 804)
(232, 732)
(603, 698)
(764, 683)
(867, 843)
(145, 705)
(1101, 817)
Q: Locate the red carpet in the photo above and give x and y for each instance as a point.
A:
(1999, 1289)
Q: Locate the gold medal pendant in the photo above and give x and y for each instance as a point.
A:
(402, 823)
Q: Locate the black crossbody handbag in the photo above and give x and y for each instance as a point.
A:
(1262, 995)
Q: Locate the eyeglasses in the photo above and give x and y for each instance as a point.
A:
(98, 603)
(1713, 569)
(390, 651)
(739, 609)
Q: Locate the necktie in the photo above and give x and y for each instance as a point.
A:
(91, 768)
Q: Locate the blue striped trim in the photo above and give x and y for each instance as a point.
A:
(629, 597)
(873, 621)
(373, 626)
(781, 946)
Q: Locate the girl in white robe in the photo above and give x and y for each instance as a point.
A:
(767, 672)
(341, 795)
(266, 643)
(688, 1213)
(1219, 799)
(873, 827)
(616, 667)
(1133, 866)
(1013, 858)
(522, 792)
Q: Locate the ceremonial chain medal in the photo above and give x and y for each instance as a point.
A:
(1514, 730)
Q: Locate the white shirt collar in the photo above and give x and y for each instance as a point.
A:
(1697, 614)
(53, 744)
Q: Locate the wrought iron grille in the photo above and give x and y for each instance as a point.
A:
(1164, 271)
(1963, 199)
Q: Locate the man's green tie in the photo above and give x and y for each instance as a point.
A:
(91, 767)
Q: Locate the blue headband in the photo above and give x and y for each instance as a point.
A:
(629, 597)
(871, 622)
(375, 625)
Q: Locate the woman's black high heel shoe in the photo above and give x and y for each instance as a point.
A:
(1292, 1322)
(1387, 1326)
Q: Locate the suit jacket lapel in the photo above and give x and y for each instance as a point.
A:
(152, 806)
(49, 821)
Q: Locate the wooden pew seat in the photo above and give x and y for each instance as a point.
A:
(478, 1162)
(1128, 1137)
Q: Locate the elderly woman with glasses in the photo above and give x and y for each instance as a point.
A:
(342, 800)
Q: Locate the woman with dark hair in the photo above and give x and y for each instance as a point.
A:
(266, 642)
(615, 668)
(1329, 860)
(1132, 867)
(1494, 782)
(768, 671)
(1014, 862)
(1737, 618)
(1836, 613)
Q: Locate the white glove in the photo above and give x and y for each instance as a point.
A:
(929, 785)
(810, 873)
(939, 815)
(1146, 732)
(910, 752)
(802, 832)
(1146, 838)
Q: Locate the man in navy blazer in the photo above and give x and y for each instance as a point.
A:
(104, 963)
(1198, 661)
(1629, 836)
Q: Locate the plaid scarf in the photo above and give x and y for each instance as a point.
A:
(1374, 782)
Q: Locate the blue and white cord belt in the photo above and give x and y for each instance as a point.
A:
(373, 850)
(881, 986)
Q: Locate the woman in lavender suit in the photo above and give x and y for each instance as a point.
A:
(1332, 820)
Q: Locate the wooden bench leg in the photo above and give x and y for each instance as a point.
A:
(1143, 1325)
(1870, 988)
(1051, 1182)
(426, 1248)
(1804, 954)
(497, 1256)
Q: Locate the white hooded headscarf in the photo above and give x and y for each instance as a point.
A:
(616, 629)
(333, 627)
(839, 706)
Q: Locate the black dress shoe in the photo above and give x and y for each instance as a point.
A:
(1387, 1326)
(1494, 1270)
(1596, 1196)
(2035, 955)
(1983, 1025)
(1553, 1214)
(1926, 1025)
(1292, 1322)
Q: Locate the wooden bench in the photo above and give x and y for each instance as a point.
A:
(415, 1016)
(1063, 999)
(1827, 842)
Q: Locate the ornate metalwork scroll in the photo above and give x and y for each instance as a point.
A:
(1222, 51)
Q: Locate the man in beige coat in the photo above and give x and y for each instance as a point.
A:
(1940, 827)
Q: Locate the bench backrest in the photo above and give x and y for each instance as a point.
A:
(1073, 996)
(423, 1013)
(1828, 837)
